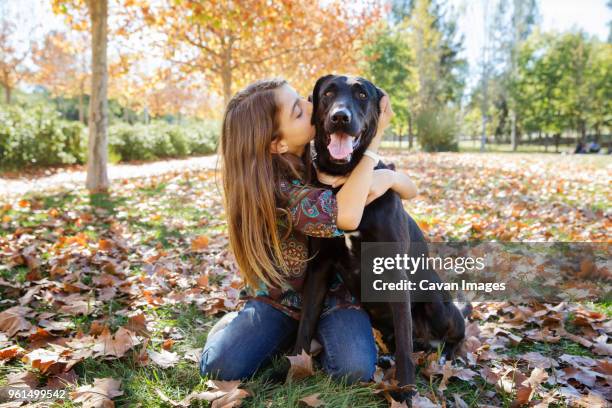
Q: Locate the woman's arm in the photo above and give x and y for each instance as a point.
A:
(404, 186)
(385, 179)
(354, 192)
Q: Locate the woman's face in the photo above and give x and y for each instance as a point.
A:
(294, 121)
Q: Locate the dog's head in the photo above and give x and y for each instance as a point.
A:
(345, 113)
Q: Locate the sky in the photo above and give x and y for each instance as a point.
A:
(590, 15)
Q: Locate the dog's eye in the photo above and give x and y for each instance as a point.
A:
(329, 93)
(362, 95)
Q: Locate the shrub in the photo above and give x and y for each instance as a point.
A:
(38, 136)
(437, 130)
(162, 140)
(203, 136)
(131, 142)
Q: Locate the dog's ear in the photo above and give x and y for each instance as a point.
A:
(314, 98)
(379, 95)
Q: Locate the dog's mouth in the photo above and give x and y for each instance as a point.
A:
(340, 146)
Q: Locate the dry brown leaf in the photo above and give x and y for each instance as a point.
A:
(105, 245)
(114, 346)
(138, 324)
(397, 404)
(8, 353)
(44, 360)
(223, 394)
(167, 344)
(301, 366)
(459, 402)
(419, 401)
(313, 400)
(63, 380)
(447, 373)
(23, 379)
(202, 280)
(601, 346)
(13, 320)
(164, 358)
(98, 395)
(538, 360)
(379, 341)
(76, 307)
(200, 242)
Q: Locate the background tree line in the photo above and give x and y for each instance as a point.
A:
(532, 83)
(142, 67)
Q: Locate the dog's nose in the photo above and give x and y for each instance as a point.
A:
(341, 116)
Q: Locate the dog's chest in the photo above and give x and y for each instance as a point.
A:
(351, 240)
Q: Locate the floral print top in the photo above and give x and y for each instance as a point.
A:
(313, 213)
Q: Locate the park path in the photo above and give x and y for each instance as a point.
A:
(73, 179)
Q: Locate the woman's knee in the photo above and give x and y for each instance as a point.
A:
(219, 365)
(246, 342)
(352, 369)
(349, 349)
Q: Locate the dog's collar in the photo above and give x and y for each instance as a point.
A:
(313, 154)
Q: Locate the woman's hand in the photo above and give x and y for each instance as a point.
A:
(386, 113)
(382, 180)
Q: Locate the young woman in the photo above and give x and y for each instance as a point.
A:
(271, 210)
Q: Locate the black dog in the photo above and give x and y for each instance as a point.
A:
(345, 113)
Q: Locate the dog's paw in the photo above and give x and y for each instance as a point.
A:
(385, 361)
(403, 396)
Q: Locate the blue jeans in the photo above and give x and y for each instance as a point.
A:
(260, 331)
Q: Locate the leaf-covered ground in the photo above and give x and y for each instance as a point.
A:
(111, 297)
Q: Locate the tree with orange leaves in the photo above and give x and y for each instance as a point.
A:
(63, 66)
(13, 68)
(97, 10)
(234, 45)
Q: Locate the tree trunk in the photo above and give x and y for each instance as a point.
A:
(97, 176)
(226, 67)
(410, 135)
(513, 139)
(7, 94)
(227, 85)
(81, 107)
(483, 137)
(399, 138)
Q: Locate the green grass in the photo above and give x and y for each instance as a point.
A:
(148, 213)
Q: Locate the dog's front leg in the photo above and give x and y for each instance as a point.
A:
(404, 366)
(313, 296)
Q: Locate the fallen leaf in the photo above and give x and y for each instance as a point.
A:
(13, 320)
(164, 358)
(22, 379)
(98, 395)
(313, 401)
(114, 346)
(301, 366)
(200, 242)
(42, 359)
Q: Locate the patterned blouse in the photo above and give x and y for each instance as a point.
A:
(313, 213)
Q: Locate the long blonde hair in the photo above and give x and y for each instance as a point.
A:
(251, 182)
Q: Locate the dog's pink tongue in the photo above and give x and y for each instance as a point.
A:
(340, 145)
